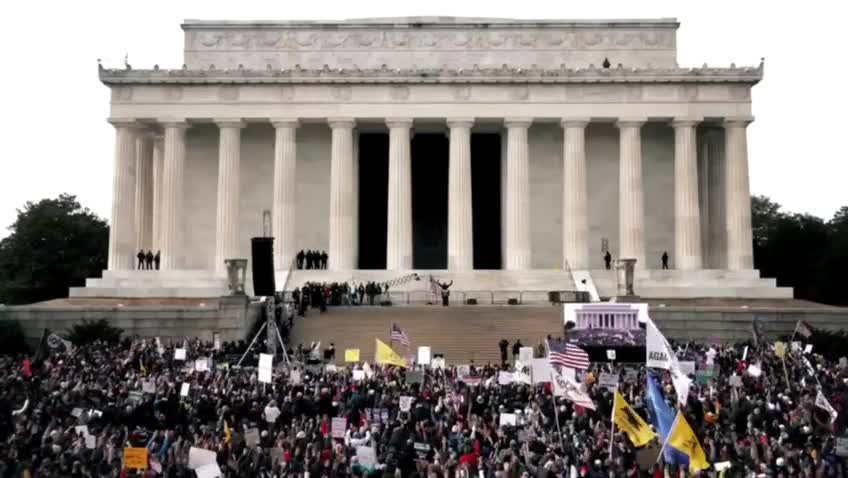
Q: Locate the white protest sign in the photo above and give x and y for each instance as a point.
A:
(359, 374)
(437, 362)
(608, 381)
(366, 456)
(81, 430)
(521, 377)
(179, 354)
(463, 370)
(735, 381)
(338, 427)
(808, 348)
(842, 446)
(525, 354)
(212, 470)
(90, 442)
(796, 346)
(271, 414)
(610, 354)
(266, 361)
(568, 373)
(198, 457)
(405, 403)
(504, 378)
(148, 386)
(184, 389)
(76, 412)
(687, 367)
(201, 365)
(251, 437)
(541, 370)
(216, 340)
(264, 375)
(754, 370)
(508, 419)
(424, 355)
(295, 377)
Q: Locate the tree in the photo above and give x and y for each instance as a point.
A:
(55, 244)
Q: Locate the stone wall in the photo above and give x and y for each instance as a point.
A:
(313, 177)
(233, 319)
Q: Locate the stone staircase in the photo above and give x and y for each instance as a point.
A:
(658, 283)
(160, 284)
(462, 334)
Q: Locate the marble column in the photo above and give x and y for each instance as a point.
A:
(687, 217)
(122, 228)
(631, 205)
(284, 208)
(517, 195)
(158, 167)
(341, 195)
(173, 173)
(714, 141)
(740, 255)
(144, 192)
(229, 192)
(460, 214)
(575, 221)
(399, 223)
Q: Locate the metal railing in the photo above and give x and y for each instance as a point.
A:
(483, 297)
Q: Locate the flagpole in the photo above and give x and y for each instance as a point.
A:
(612, 418)
(794, 332)
(670, 430)
(556, 412)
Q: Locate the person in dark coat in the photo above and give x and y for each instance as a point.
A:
(516, 349)
(148, 260)
(664, 259)
(308, 259)
(445, 292)
(157, 259)
(324, 258)
(504, 345)
(300, 256)
(141, 257)
(361, 292)
(607, 260)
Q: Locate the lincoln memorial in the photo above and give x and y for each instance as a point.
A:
(498, 153)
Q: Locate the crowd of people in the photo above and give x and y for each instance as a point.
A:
(311, 259)
(148, 260)
(74, 413)
(322, 294)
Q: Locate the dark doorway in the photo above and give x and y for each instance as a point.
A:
(429, 201)
(373, 199)
(486, 199)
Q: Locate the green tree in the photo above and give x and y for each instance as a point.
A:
(54, 244)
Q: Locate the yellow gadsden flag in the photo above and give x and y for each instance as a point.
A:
(630, 423)
(683, 438)
(383, 354)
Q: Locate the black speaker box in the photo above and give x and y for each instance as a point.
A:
(262, 249)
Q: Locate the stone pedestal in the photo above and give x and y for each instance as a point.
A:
(236, 275)
(624, 274)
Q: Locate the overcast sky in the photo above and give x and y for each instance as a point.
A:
(55, 137)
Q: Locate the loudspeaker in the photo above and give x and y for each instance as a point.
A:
(262, 249)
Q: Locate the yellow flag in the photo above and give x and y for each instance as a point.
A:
(683, 438)
(383, 354)
(630, 423)
(141, 367)
(780, 349)
(228, 435)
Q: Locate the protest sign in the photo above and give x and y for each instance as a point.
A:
(608, 381)
(808, 348)
(359, 374)
(414, 376)
(338, 426)
(504, 378)
(366, 456)
(842, 446)
(211, 470)
(463, 370)
(184, 389)
(687, 367)
(525, 354)
(135, 458)
(437, 362)
(405, 403)
(201, 365)
(610, 354)
(507, 419)
(351, 355)
(264, 375)
(424, 355)
(540, 369)
(216, 341)
(251, 437)
(295, 377)
(198, 457)
(179, 354)
(148, 386)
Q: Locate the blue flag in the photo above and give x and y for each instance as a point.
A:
(662, 418)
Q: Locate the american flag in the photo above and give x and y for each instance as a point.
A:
(399, 335)
(563, 353)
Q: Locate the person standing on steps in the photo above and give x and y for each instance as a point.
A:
(607, 260)
(445, 292)
(157, 259)
(299, 258)
(504, 345)
(664, 260)
(516, 349)
(148, 260)
(141, 257)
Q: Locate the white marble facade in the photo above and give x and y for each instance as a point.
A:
(644, 155)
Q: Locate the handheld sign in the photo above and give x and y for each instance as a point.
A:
(135, 458)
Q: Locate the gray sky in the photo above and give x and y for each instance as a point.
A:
(55, 137)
